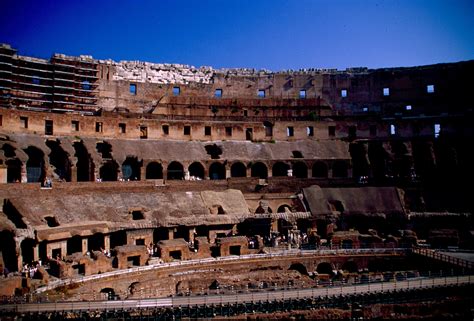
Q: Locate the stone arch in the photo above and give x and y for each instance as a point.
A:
(299, 267)
(109, 171)
(27, 250)
(259, 170)
(325, 268)
(13, 170)
(300, 170)
(59, 158)
(280, 169)
(74, 244)
(35, 166)
(154, 170)
(320, 170)
(109, 293)
(238, 170)
(131, 168)
(133, 287)
(340, 169)
(284, 208)
(197, 170)
(175, 170)
(350, 266)
(217, 171)
(85, 165)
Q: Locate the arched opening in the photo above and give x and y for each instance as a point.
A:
(8, 150)
(280, 169)
(85, 165)
(154, 170)
(350, 266)
(95, 242)
(8, 249)
(347, 244)
(238, 170)
(285, 208)
(109, 294)
(133, 288)
(300, 170)
(378, 157)
(217, 171)
(196, 170)
(27, 248)
(339, 169)
(259, 170)
(60, 160)
(105, 149)
(13, 170)
(175, 171)
(299, 267)
(320, 170)
(74, 245)
(325, 268)
(109, 171)
(35, 167)
(360, 159)
(118, 238)
(131, 169)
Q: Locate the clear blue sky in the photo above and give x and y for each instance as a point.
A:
(272, 34)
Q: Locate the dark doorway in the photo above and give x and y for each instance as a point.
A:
(95, 242)
(176, 255)
(259, 170)
(7, 247)
(13, 170)
(85, 166)
(131, 169)
(217, 171)
(234, 250)
(238, 170)
(27, 248)
(35, 171)
(109, 171)
(280, 169)
(60, 160)
(339, 169)
(154, 170)
(320, 170)
(74, 244)
(300, 170)
(175, 171)
(196, 170)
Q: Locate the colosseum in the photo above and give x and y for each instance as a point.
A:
(132, 180)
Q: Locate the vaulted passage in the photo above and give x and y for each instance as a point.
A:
(131, 169)
(60, 160)
(7, 247)
(217, 171)
(13, 170)
(378, 160)
(85, 166)
(280, 169)
(74, 244)
(175, 171)
(154, 170)
(196, 170)
(360, 159)
(238, 170)
(35, 166)
(27, 250)
(95, 242)
(108, 171)
(300, 170)
(259, 170)
(320, 170)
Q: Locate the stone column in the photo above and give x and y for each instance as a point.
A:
(24, 178)
(143, 173)
(191, 232)
(170, 233)
(85, 245)
(107, 242)
(73, 173)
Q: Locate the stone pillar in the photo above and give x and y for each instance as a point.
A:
(24, 178)
(36, 252)
(191, 232)
(143, 173)
(107, 242)
(3, 174)
(73, 173)
(274, 225)
(85, 245)
(170, 233)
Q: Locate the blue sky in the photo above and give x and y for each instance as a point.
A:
(271, 34)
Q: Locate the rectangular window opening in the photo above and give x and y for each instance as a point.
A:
(430, 89)
(86, 85)
(35, 80)
(98, 127)
(176, 91)
(261, 93)
(228, 131)
(344, 93)
(365, 109)
(218, 93)
(207, 130)
(393, 129)
(302, 93)
(133, 89)
(249, 133)
(310, 131)
(48, 127)
(187, 130)
(24, 121)
(332, 131)
(75, 125)
(408, 107)
(386, 91)
(290, 131)
(122, 128)
(166, 129)
(143, 132)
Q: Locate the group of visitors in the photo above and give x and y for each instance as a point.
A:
(29, 270)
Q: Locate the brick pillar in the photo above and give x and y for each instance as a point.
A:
(24, 179)
(143, 173)
(85, 244)
(107, 242)
(73, 173)
(170, 233)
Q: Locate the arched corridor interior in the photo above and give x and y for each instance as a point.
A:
(238, 170)
(35, 166)
(60, 160)
(85, 166)
(154, 170)
(196, 170)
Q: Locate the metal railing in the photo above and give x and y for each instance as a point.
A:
(444, 257)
